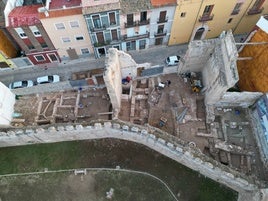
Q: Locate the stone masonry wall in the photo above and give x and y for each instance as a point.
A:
(169, 148)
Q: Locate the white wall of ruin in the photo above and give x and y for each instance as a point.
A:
(239, 99)
(7, 102)
(113, 79)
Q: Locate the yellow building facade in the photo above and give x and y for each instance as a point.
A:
(7, 51)
(204, 19)
(253, 72)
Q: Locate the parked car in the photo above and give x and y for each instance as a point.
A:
(172, 60)
(48, 79)
(21, 84)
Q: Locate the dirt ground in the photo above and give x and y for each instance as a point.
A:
(175, 109)
(75, 106)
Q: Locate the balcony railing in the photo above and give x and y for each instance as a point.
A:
(255, 11)
(103, 43)
(100, 28)
(205, 18)
(133, 24)
(235, 12)
(136, 37)
(143, 22)
(162, 20)
(160, 33)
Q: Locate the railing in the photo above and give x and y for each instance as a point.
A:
(101, 28)
(136, 37)
(235, 12)
(205, 18)
(103, 43)
(162, 20)
(160, 33)
(255, 11)
(144, 22)
(133, 24)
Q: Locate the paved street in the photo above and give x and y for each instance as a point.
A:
(155, 56)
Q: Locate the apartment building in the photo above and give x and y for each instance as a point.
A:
(197, 20)
(8, 49)
(66, 27)
(252, 67)
(135, 24)
(161, 21)
(29, 33)
(103, 24)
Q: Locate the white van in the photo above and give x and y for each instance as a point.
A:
(172, 60)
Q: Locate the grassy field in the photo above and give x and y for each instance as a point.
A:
(189, 185)
(93, 186)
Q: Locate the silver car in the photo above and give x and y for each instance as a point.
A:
(21, 84)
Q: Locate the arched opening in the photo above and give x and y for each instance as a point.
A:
(199, 33)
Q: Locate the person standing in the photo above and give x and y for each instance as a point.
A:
(168, 82)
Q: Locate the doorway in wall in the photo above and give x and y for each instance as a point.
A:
(199, 33)
(158, 41)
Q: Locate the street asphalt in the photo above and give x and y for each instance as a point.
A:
(155, 55)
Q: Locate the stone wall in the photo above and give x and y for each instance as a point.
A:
(167, 146)
(238, 99)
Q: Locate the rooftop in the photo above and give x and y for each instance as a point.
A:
(163, 2)
(58, 4)
(132, 6)
(61, 13)
(24, 16)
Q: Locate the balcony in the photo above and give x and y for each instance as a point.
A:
(205, 18)
(235, 12)
(143, 22)
(160, 33)
(133, 24)
(255, 11)
(102, 43)
(136, 37)
(162, 20)
(100, 28)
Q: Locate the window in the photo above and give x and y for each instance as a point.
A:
(23, 35)
(230, 20)
(114, 34)
(96, 21)
(59, 26)
(52, 57)
(112, 18)
(85, 51)
(35, 31)
(208, 10)
(256, 8)
(142, 44)
(162, 16)
(79, 37)
(130, 19)
(30, 47)
(20, 32)
(43, 45)
(66, 39)
(39, 58)
(206, 16)
(183, 14)
(160, 29)
(236, 9)
(143, 16)
(74, 24)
